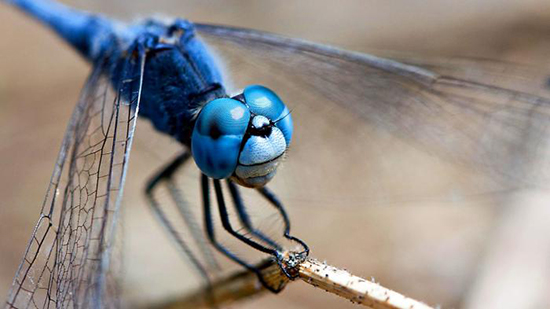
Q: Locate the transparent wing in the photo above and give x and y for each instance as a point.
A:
(66, 263)
(475, 113)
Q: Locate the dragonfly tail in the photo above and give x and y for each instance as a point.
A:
(84, 31)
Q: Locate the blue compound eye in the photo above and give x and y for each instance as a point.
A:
(217, 137)
(262, 101)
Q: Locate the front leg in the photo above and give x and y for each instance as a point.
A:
(227, 226)
(245, 218)
(298, 257)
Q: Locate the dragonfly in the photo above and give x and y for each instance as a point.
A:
(446, 111)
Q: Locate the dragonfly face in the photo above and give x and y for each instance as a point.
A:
(243, 138)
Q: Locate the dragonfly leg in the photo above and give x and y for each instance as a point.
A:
(226, 223)
(227, 226)
(245, 219)
(270, 196)
(165, 177)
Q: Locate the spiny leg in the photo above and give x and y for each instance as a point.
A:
(226, 223)
(165, 175)
(227, 226)
(245, 219)
(270, 196)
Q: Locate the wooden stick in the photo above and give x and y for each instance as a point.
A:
(353, 288)
(244, 285)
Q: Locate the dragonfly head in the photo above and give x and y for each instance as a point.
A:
(243, 138)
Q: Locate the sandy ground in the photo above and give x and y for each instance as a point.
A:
(425, 248)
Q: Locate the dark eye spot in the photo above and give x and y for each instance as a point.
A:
(215, 132)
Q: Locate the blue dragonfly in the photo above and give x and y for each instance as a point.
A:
(162, 71)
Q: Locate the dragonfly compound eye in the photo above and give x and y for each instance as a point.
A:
(217, 136)
(262, 101)
(242, 141)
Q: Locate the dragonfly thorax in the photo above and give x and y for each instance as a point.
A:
(181, 78)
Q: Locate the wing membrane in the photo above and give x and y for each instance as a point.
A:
(66, 263)
(476, 113)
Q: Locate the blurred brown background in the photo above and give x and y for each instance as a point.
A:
(40, 79)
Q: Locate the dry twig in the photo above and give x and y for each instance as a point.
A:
(245, 284)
